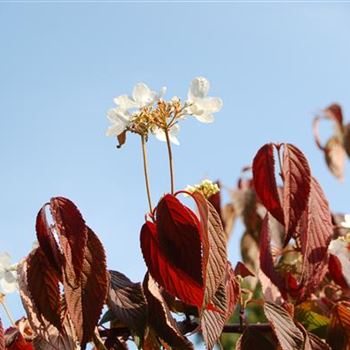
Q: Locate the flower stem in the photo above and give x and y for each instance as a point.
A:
(145, 169)
(7, 311)
(170, 155)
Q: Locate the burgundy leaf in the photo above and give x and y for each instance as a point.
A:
(85, 301)
(335, 157)
(336, 271)
(253, 336)
(213, 321)
(288, 334)
(160, 318)
(177, 282)
(267, 263)
(242, 270)
(127, 302)
(334, 112)
(179, 236)
(296, 189)
(43, 285)
(233, 290)
(339, 329)
(265, 181)
(214, 246)
(14, 340)
(47, 336)
(346, 139)
(215, 201)
(47, 241)
(72, 232)
(316, 230)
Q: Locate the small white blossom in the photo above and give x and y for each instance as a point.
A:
(160, 134)
(142, 96)
(346, 223)
(200, 105)
(120, 120)
(8, 274)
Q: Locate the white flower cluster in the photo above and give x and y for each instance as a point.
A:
(8, 274)
(198, 105)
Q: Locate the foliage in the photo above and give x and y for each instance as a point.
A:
(291, 290)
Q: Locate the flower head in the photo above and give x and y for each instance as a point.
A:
(200, 105)
(8, 274)
(207, 187)
(346, 222)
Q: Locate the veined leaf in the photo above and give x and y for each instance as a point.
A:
(316, 230)
(160, 318)
(85, 301)
(179, 236)
(127, 302)
(214, 246)
(2, 338)
(253, 336)
(288, 334)
(174, 280)
(72, 233)
(296, 188)
(43, 285)
(265, 181)
(339, 329)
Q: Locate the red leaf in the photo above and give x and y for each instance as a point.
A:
(47, 242)
(43, 285)
(85, 301)
(127, 302)
(72, 233)
(265, 182)
(15, 341)
(242, 270)
(288, 334)
(2, 339)
(267, 263)
(339, 328)
(179, 236)
(214, 246)
(335, 157)
(336, 271)
(215, 201)
(233, 290)
(316, 230)
(296, 189)
(173, 279)
(160, 318)
(334, 112)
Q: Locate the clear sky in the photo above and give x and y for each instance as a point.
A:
(61, 64)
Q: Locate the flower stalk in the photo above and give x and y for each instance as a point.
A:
(145, 169)
(171, 162)
(6, 309)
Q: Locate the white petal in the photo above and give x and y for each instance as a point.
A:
(199, 88)
(7, 287)
(143, 95)
(204, 118)
(116, 129)
(346, 223)
(162, 92)
(160, 134)
(124, 102)
(5, 260)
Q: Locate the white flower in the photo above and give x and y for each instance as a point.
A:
(346, 223)
(201, 106)
(142, 96)
(160, 134)
(8, 274)
(120, 120)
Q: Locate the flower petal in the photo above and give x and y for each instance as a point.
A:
(143, 95)
(8, 285)
(124, 102)
(5, 260)
(204, 118)
(160, 134)
(199, 88)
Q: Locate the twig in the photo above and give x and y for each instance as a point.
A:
(170, 155)
(145, 169)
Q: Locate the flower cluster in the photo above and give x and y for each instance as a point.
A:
(8, 274)
(147, 112)
(207, 187)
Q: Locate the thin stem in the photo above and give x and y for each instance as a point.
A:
(145, 169)
(170, 155)
(8, 313)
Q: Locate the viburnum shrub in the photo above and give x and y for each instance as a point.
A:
(291, 291)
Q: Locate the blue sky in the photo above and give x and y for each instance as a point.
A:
(61, 64)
